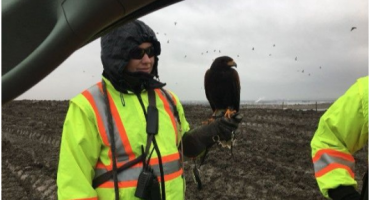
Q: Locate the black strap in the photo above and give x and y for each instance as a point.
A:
(152, 129)
(108, 175)
(112, 140)
(160, 169)
(152, 116)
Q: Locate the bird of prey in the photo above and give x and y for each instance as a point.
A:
(353, 28)
(222, 87)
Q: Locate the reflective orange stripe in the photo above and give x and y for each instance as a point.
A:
(334, 166)
(121, 129)
(173, 175)
(100, 165)
(121, 184)
(153, 161)
(168, 158)
(90, 98)
(125, 184)
(92, 198)
(168, 110)
(332, 152)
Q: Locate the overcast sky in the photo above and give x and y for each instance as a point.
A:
(330, 57)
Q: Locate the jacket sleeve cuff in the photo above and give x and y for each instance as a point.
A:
(344, 193)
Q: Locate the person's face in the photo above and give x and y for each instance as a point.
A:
(144, 64)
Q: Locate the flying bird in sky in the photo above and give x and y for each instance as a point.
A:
(222, 87)
(353, 28)
(295, 58)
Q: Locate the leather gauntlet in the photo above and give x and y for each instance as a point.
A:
(198, 139)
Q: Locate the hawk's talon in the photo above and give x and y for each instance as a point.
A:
(229, 113)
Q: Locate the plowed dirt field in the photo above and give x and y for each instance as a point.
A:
(271, 159)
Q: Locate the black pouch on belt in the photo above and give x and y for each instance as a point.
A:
(143, 184)
(148, 185)
(155, 193)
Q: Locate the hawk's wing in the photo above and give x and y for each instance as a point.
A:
(208, 88)
(235, 89)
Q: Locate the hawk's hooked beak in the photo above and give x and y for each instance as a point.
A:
(232, 63)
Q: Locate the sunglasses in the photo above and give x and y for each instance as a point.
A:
(138, 53)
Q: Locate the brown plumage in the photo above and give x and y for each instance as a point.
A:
(222, 87)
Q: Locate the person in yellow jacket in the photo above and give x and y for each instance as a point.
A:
(342, 130)
(124, 137)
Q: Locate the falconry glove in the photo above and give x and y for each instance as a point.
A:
(344, 193)
(198, 139)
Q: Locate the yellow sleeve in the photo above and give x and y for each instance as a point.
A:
(342, 131)
(79, 152)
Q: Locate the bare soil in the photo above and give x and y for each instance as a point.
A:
(271, 159)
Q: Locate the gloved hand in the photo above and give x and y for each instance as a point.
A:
(344, 193)
(198, 139)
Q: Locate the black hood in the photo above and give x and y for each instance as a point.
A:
(116, 45)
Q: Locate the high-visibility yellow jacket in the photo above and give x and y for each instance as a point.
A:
(342, 130)
(85, 151)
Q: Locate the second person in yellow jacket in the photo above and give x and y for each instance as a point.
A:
(342, 130)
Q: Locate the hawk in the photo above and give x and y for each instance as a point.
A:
(222, 87)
